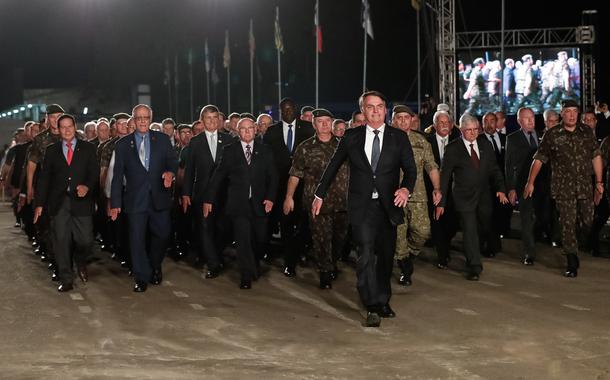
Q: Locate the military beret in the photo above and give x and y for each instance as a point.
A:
(247, 115)
(442, 107)
(306, 109)
(569, 103)
(54, 108)
(402, 108)
(120, 115)
(184, 126)
(478, 61)
(319, 112)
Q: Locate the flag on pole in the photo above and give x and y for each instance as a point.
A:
(251, 40)
(316, 22)
(226, 55)
(416, 4)
(366, 18)
(206, 53)
(166, 72)
(176, 79)
(279, 43)
(190, 57)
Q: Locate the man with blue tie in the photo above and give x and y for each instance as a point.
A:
(147, 161)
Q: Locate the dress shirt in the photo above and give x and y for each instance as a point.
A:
(146, 136)
(64, 147)
(213, 148)
(439, 141)
(285, 131)
(368, 141)
(475, 146)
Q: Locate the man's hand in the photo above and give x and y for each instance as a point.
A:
(502, 197)
(528, 191)
(168, 178)
(186, 202)
(81, 190)
(268, 205)
(512, 197)
(207, 209)
(316, 206)
(438, 212)
(114, 213)
(288, 205)
(437, 196)
(37, 213)
(401, 197)
(598, 193)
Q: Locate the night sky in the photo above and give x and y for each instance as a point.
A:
(111, 45)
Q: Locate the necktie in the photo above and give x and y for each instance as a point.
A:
(248, 154)
(532, 141)
(443, 144)
(69, 153)
(376, 151)
(142, 153)
(474, 157)
(289, 138)
(213, 146)
(495, 144)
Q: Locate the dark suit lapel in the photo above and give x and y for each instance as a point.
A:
(388, 143)
(360, 142)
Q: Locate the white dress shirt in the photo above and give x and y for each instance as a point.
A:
(368, 141)
(213, 144)
(285, 130)
(475, 146)
(243, 147)
(442, 146)
(496, 137)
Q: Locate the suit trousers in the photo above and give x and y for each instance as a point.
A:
(293, 230)
(527, 215)
(210, 239)
(375, 240)
(469, 221)
(156, 225)
(443, 231)
(250, 232)
(602, 212)
(65, 229)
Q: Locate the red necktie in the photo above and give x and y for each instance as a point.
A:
(70, 152)
(474, 157)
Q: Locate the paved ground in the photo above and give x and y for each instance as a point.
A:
(516, 323)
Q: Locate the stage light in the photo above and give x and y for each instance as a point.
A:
(85, 110)
(22, 108)
(15, 110)
(4, 114)
(29, 106)
(9, 113)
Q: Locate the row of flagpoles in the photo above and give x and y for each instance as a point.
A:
(212, 76)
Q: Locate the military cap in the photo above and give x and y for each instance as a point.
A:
(183, 126)
(54, 108)
(442, 107)
(120, 115)
(402, 108)
(306, 109)
(569, 103)
(526, 57)
(478, 61)
(66, 116)
(247, 115)
(319, 112)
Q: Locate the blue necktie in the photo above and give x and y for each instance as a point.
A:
(376, 151)
(289, 138)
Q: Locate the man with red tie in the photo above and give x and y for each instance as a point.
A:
(65, 191)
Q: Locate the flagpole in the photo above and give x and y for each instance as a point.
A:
(317, 51)
(169, 84)
(207, 84)
(176, 83)
(251, 37)
(279, 52)
(228, 90)
(191, 80)
(418, 63)
(364, 64)
(206, 63)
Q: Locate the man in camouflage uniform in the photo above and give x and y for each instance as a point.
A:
(34, 165)
(329, 228)
(412, 235)
(571, 147)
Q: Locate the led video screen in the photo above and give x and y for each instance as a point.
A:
(536, 78)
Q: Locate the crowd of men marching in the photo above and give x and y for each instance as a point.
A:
(323, 185)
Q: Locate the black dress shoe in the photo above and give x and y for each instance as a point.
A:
(386, 311)
(572, 267)
(51, 266)
(83, 274)
(405, 280)
(325, 280)
(65, 287)
(140, 287)
(245, 284)
(54, 276)
(212, 273)
(44, 258)
(528, 260)
(372, 319)
(472, 276)
(157, 277)
(267, 259)
(289, 272)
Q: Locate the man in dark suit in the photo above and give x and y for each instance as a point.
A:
(147, 161)
(204, 152)
(283, 137)
(248, 170)
(520, 148)
(376, 198)
(471, 164)
(66, 188)
(444, 229)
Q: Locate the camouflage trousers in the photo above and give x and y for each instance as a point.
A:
(411, 236)
(328, 232)
(574, 214)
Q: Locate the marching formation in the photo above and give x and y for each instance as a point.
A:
(308, 186)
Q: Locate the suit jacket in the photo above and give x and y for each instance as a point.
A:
(274, 137)
(396, 154)
(200, 165)
(239, 177)
(519, 156)
(471, 186)
(455, 133)
(142, 185)
(500, 156)
(56, 177)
